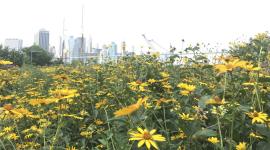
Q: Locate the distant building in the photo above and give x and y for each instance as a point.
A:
(123, 46)
(71, 43)
(89, 45)
(42, 39)
(14, 44)
(97, 51)
(112, 50)
(104, 51)
(52, 50)
(79, 48)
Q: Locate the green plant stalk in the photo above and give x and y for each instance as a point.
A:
(165, 125)
(220, 135)
(231, 138)
(257, 79)
(17, 130)
(258, 98)
(12, 144)
(109, 127)
(225, 84)
(44, 138)
(2, 144)
(56, 133)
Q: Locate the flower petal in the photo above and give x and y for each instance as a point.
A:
(135, 138)
(153, 131)
(140, 130)
(147, 143)
(154, 144)
(158, 137)
(140, 143)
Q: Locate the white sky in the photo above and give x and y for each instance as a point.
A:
(165, 21)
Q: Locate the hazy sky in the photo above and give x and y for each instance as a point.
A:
(165, 21)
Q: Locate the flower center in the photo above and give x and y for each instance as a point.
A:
(255, 114)
(147, 136)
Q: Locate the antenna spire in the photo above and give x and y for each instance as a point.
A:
(82, 40)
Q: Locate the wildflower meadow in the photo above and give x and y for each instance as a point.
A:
(141, 102)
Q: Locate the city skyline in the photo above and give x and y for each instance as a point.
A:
(117, 21)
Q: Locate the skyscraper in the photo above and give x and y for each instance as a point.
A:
(42, 39)
(79, 48)
(112, 50)
(14, 44)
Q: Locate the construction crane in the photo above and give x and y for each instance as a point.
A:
(151, 44)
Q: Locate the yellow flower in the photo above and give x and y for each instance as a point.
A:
(187, 87)
(258, 117)
(229, 66)
(4, 62)
(72, 116)
(13, 136)
(146, 137)
(163, 100)
(250, 67)
(152, 81)
(21, 112)
(8, 107)
(64, 93)
(186, 117)
(164, 74)
(98, 122)
(180, 135)
(184, 92)
(101, 103)
(134, 85)
(249, 83)
(70, 148)
(7, 129)
(86, 134)
(129, 109)
(241, 146)
(255, 135)
(215, 100)
(46, 101)
(213, 140)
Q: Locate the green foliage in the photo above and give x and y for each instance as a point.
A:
(12, 55)
(256, 49)
(37, 56)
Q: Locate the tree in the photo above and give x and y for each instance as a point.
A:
(37, 56)
(255, 50)
(11, 55)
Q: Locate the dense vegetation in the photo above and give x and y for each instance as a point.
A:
(141, 102)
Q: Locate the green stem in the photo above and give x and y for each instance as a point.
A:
(56, 133)
(258, 98)
(225, 84)
(165, 125)
(12, 144)
(44, 139)
(232, 126)
(220, 135)
(3, 145)
(109, 127)
(17, 130)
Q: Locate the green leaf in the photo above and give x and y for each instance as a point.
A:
(263, 146)
(202, 101)
(102, 141)
(204, 133)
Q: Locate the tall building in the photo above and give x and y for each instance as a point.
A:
(90, 45)
(112, 50)
(52, 50)
(124, 51)
(79, 48)
(14, 44)
(42, 39)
